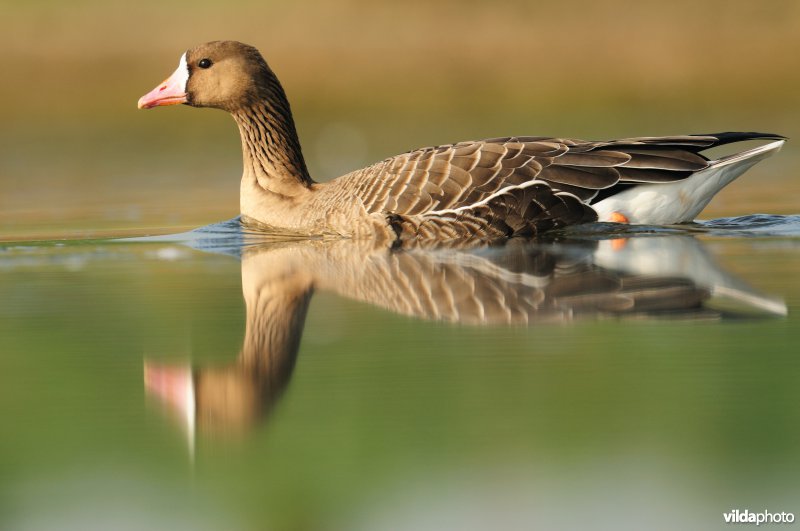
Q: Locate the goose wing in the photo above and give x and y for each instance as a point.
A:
(460, 175)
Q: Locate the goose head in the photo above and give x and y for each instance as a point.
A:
(225, 75)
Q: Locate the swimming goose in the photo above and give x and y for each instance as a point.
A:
(470, 191)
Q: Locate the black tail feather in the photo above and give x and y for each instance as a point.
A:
(730, 137)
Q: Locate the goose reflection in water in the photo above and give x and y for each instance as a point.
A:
(516, 284)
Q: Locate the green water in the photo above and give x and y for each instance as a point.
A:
(570, 410)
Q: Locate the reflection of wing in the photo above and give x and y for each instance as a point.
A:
(516, 284)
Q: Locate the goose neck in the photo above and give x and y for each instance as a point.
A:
(271, 148)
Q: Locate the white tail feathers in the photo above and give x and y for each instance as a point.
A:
(681, 201)
(752, 155)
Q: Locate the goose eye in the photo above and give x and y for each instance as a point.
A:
(204, 63)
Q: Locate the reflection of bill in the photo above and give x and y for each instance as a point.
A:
(175, 387)
(517, 284)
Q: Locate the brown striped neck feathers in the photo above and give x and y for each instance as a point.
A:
(234, 77)
(271, 150)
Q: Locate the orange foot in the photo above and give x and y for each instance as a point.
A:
(618, 217)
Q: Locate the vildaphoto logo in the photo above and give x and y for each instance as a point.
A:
(736, 516)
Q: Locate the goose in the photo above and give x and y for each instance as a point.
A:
(487, 190)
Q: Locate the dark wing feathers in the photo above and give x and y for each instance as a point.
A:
(465, 176)
(594, 178)
(639, 175)
(599, 159)
(664, 158)
(515, 211)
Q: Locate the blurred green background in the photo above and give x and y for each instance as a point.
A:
(368, 80)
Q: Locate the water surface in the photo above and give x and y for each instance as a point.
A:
(607, 378)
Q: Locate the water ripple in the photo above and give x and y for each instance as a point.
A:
(229, 237)
(752, 225)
